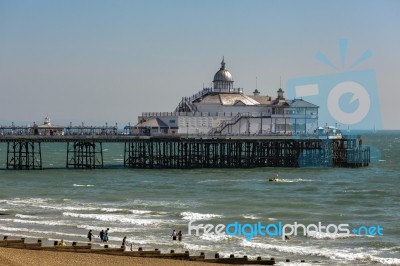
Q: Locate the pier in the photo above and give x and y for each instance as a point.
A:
(191, 151)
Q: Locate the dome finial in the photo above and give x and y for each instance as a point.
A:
(223, 63)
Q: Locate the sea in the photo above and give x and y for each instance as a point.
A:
(146, 205)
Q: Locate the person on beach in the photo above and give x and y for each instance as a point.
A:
(90, 235)
(101, 235)
(180, 235)
(124, 242)
(105, 237)
(173, 235)
(62, 243)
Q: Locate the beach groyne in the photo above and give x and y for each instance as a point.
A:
(140, 252)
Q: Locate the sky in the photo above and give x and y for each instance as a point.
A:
(108, 61)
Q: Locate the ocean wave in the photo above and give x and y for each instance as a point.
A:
(155, 203)
(369, 191)
(197, 247)
(321, 235)
(79, 185)
(41, 232)
(295, 180)
(47, 203)
(330, 253)
(193, 216)
(113, 218)
(139, 211)
(17, 229)
(209, 181)
(24, 216)
(53, 223)
(113, 210)
(28, 201)
(250, 216)
(214, 237)
(99, 228)
(68, 208)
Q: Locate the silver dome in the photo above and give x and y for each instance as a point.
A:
(223, 74)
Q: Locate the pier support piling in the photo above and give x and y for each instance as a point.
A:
(85, 155)
(24, 155)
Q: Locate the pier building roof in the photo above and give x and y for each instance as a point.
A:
(261, 99)
(237, 99)
(153, 122)
(228, 99)
(300, 103)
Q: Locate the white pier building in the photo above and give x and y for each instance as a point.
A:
(226, 110)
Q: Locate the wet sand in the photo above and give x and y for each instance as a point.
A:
(19, 257)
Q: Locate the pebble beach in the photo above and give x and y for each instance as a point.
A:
(19, 257)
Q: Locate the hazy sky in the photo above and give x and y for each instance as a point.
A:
(111, 60)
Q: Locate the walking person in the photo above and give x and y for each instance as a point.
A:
(180, 235)
(90, 235)
(173, 235)
(124, 242)
(101, 235)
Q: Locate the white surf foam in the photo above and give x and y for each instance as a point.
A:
(155, 203)
(330, 253)
(114, 229)
(214, 237)
(28, 201)
(127, 219)
(40, 232)
(295, 180)
(68, 208)
(193, 216)
(209, 181)
(197, 247)
(250, 216)
(60, 223)
(79, 185)
(112, 210)
(139, 211)
(23, 216)
(321, 235)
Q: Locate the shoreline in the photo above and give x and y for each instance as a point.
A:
(20, 252)
(17, 257)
